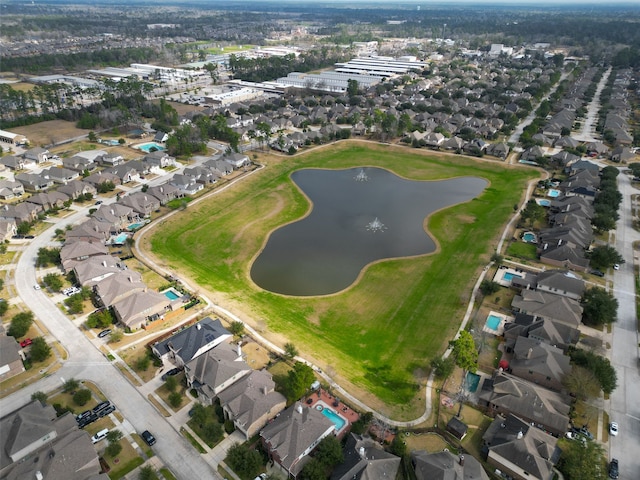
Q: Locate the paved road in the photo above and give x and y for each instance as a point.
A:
(87, 362)
(588, 131)
(625, 400)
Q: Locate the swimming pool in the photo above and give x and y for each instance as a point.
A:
(473, 379)
(337, 420)
(120, 239)
(110, 142)
(529, 237)
(146, 147)
(135, 226)
(493, 322)
(508, 276)
(553, 193)
(543, 202)
(171, 295)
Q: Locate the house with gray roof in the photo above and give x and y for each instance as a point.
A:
(543, 408)
(564, 255)
(115, 214)
(141, 203)
(75, 188)
(22, 212)
(12, 162)
(36, 155)
(560, 282)
(237, 160)
(98, 178)
(10, 190)
(11, 356)
(548, 306)
(539, 363)
(61, 175)
(8, 229)
(186, 184)
(551, 332)
(36, 444)
(364, 458)
(446, 466)
(216, 369)
(159, 159)
(141, 308)
(48, 201)
(118, 286)
(97, 268)
(519, 450)
(293, 435)
(165, 193)
(78, 164)
(187, 344)
(202, 175)
(251, 402)
(89, 231)
(34, 182)
(73, 253)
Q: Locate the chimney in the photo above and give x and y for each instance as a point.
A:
(529, 352)
(198, 326)
(361, 452)
(264, 390)
(462, 460)
(239, 349)
(104, 263)
(299, 408)
(520, 434)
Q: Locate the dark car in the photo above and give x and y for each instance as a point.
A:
(584, 431)
(83, 422)
(597, 273)
(101, 406)
(106, 411)
(613, 468)
(171, 373)
(30, 237)
(83, 415)
(104, 333)
(148, 438)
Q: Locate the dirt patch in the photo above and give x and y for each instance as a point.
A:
(50, 132)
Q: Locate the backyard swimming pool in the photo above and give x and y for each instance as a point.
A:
(529, 237)
(337, 420)
(135, 226)
(543, 202)
(146, 147)
(508, 276)
(171, 294)
(493, 322)
(120, 239)
(473, 379)
(553, 193)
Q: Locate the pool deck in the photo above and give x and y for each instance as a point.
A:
(343, 410)
(500, 330)
(499, 276)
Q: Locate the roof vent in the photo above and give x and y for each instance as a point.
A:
(520, 435)
(299, 408)
(198, 326)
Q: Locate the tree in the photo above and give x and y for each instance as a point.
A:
(600, 367)
(582, 383)
(114, 447)
(20, 324)
(487, 287)
(92, 136)
(82, 396)
(237, 328)
(313, 470)
(605, 256)
(533, 213)
(70, 385)
(115, 336)
(100, 319)
(40, 351)
(212, 431)
(298, 381)
(74, 303)
(142, 363)
(244, 461)
(352, 87)
(53, 281)
(398, 447)
(442, 367)
(175, 399)
(329, 451)
(599, 307)
(580, 460)
(290, 350)
(171, 383)
(39, 396)
(147, 473)
(23, 228)
(464, 352)
(48, 256)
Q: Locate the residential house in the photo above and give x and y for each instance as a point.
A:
(94, 155)
(165, 193)
(36, 155)
(125, 172)
(160, 137)
(187, 344)
(37, 444)
(159, 159)
(202, 175)
(98, 178)
(446, 466)
(137, 310)
(34, 182)
(141, 203)
(251, 402)
(560, 282)
(548, 306)
(539, 363)
(292, 436)
(532, 154)
(22, 212)
(622, 154)
(60, 175)
(519, 450)
(8, 229)
(12, 163)
(79, 164)
(89, 231)
(109, 159)
(500, 150)
(551, 332)
(564, 255)
(76, 188)
(48, 201)
(10, 190)
(73, 253)
(542, 408)
(97, 268)
(118, 286)
(364, 458)
(117, 215)
(220, 167)
(237, 160)
(215, 370)
(186, 184)
(11, 356)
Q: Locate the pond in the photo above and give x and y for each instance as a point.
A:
(358, 216)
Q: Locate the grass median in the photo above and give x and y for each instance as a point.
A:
(378, 336)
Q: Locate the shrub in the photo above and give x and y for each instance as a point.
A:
(40, 351)
(82, 396)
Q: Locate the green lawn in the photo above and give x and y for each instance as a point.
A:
(522, 250)
(376, 334)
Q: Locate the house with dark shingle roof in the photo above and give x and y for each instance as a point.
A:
(11, 356)
(293, 435)
(543, 408)
(538, 362)
(185, 345)
(552, 332)
(364, 458)
(548, 306)
(446, 466)
(560, 282)
(519, 450)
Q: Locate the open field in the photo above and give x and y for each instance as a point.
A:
(377, 337)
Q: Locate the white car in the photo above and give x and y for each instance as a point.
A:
(616, 267)
(613, 429)
(36, 287)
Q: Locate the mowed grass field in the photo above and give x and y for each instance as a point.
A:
(377, 337)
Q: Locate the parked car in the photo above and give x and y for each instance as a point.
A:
(36, 287)
(86, 420)
(148, 438)
(613, 429)
(613, 469)
(104, 333)
(616, 267)
(585, 431)
(597, 273)
(171, 373)
(26, 342)
(99, 202)
(101, 406)
(101, 435)
(106, 411)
